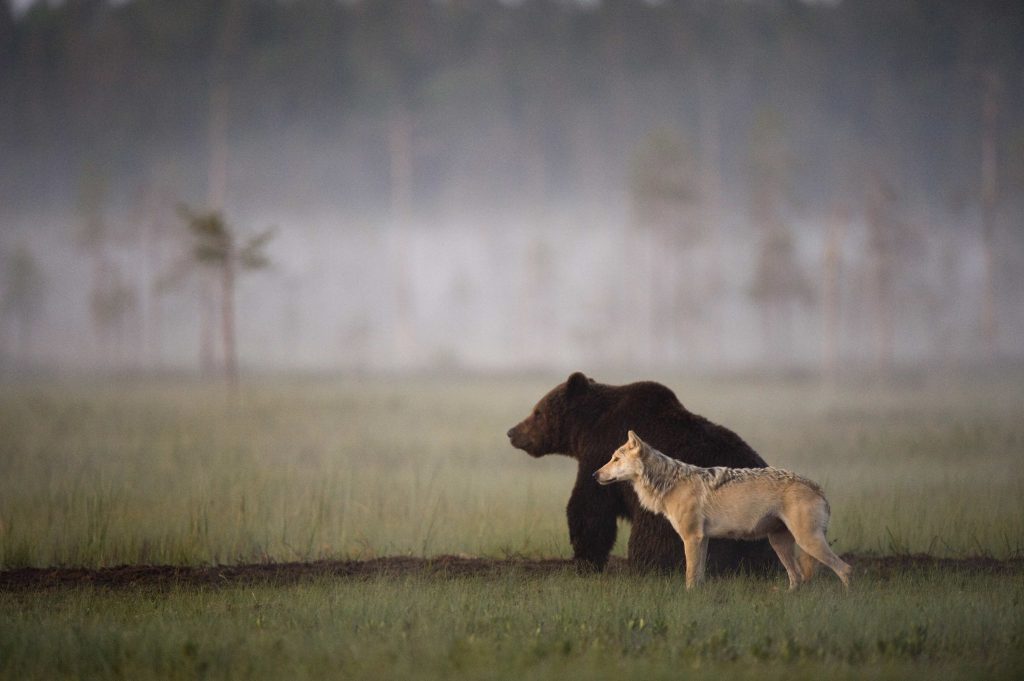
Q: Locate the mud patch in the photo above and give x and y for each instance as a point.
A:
(888, 566)
(128, 576)
(165, 576)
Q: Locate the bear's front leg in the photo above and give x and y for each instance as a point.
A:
(654, 546)
(592, 528)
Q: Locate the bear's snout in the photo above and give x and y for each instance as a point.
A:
(524, 436)
(519, 436)
(515, 436)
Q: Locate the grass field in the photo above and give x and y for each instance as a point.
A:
(97, 474)
(928, 625)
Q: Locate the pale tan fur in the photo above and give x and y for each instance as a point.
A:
(736, 503)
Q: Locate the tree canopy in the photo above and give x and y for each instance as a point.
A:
(497, 94)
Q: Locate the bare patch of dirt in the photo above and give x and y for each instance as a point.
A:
(888, 566)
(162, 576)
(275, 573)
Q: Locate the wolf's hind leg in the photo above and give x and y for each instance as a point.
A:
(806, 562)
(785, 546)
(816, 545)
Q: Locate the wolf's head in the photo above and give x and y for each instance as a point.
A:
(627, 463)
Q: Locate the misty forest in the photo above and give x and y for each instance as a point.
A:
(456, 184)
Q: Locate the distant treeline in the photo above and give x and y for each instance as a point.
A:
(509, 184)
(396, 103)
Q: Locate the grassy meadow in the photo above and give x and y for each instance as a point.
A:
(928, 626)
(174, 472)
(99, 474)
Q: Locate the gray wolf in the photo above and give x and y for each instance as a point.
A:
(739, 503)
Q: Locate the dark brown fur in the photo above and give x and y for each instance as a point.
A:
(588, 421)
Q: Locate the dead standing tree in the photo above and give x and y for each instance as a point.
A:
(666, 197)
(158, 228)
(989, 201)
(113, 301)
(779, 285)
(216, 245)
(91, 234)
(114, 306)
(831, 292)
(881, 246)
(223, 67)
(895, 251)
(21, 300)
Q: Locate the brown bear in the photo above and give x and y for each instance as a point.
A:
(588, 421)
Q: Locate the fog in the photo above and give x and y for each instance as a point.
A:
(510, 186)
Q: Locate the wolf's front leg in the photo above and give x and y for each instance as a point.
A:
(696, 547)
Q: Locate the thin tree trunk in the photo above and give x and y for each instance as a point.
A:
(25, 341)
(216, 195)
(617, 102)
(217, 171)
(224, 55)
(654, 334)
(207, 359)
(880, 244)
(4, 330)
(228, 320)
(831, 299)
(711, 175)
(156, 330)
(153, 327)
(217, 182)
(102, 278)
(989, 197)
(768, 323)
(882, 282)
(883, 314)
(400, 147)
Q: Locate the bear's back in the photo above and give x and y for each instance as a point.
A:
(656, 414)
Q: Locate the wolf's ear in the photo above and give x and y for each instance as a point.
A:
(577, 384)
(632, 440)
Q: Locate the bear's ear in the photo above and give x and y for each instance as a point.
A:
(577, 384)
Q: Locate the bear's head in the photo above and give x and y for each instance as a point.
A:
(548, 428)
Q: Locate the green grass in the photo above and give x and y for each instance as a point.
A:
(928, 625)
(173, 472)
